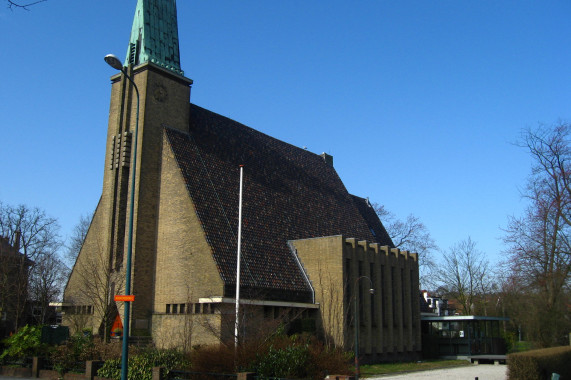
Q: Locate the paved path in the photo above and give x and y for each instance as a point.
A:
(482, 372)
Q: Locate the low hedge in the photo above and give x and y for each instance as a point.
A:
(540, 364)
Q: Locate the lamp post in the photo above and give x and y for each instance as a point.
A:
(358, 323)
(115, 63)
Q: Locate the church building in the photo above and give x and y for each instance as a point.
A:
(310, 251)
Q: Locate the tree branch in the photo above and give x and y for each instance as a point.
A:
(12, 5)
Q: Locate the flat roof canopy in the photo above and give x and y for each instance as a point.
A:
(449, 318)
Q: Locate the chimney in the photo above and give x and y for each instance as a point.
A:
(327, 158)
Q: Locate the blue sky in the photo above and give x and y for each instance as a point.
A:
(419, 102)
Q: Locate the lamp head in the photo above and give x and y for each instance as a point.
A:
(372, 291)
(114, 62)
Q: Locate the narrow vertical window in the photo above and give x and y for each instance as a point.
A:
(373, 276)
(403, 293)
(360, 295)
(394, 298)
(382, 290)
(348, 290)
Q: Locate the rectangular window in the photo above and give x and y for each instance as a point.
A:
(181, 308)
(196, 308)
(168, 311)
(174, 308)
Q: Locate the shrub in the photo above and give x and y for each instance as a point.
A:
(326, 360)
(293, 357)
(23, 344)
(82, 347)
(141, 365)
(78, 348)
(111, 369)
(218, 359)
(288, 362)
(510, 339)
(540, 364)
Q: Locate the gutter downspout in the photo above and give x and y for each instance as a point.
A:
(298, 261)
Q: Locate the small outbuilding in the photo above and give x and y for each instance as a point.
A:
(462, 336)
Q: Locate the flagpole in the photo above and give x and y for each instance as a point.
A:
(237, 322)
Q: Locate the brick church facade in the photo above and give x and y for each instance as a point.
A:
(309, 248)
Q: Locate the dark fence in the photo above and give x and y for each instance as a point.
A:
(189, 375)
(24, 363)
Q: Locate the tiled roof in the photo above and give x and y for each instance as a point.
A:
(289, 194)
(373, 221)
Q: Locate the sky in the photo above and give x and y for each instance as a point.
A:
(419, 102)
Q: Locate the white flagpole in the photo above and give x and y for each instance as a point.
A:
(236, 324)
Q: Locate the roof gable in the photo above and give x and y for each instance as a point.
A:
(289, 193)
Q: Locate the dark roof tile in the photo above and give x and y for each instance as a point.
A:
(289, 194)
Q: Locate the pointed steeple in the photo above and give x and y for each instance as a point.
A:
(154, 36)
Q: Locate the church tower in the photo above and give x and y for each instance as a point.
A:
(153, 63)
(306, 241)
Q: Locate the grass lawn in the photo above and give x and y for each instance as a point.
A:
(381, 369)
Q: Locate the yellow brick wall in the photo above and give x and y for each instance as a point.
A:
(389, 324)
(185, 269)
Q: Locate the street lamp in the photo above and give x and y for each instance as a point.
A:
(357, 322)
(115, 63)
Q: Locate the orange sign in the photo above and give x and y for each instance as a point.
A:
(117, 328)
(130, 298)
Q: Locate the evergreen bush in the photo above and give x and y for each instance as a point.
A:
(289, 362)
(141, 365)
(24, 344)
(540, 364)
(78, 348)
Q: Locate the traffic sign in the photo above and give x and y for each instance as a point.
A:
(124, 298)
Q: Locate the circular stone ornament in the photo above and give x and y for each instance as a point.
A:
(160, 94)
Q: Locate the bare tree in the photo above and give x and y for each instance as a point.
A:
(411, 235)
(13, 286)
(77, 238)
(38, 232)
(47, 279)
(539, 241)
(95, 284)
(550, 149)
(35, 235)
(465, 276)
(13, 5)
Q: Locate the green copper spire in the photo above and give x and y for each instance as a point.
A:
(154, 36)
